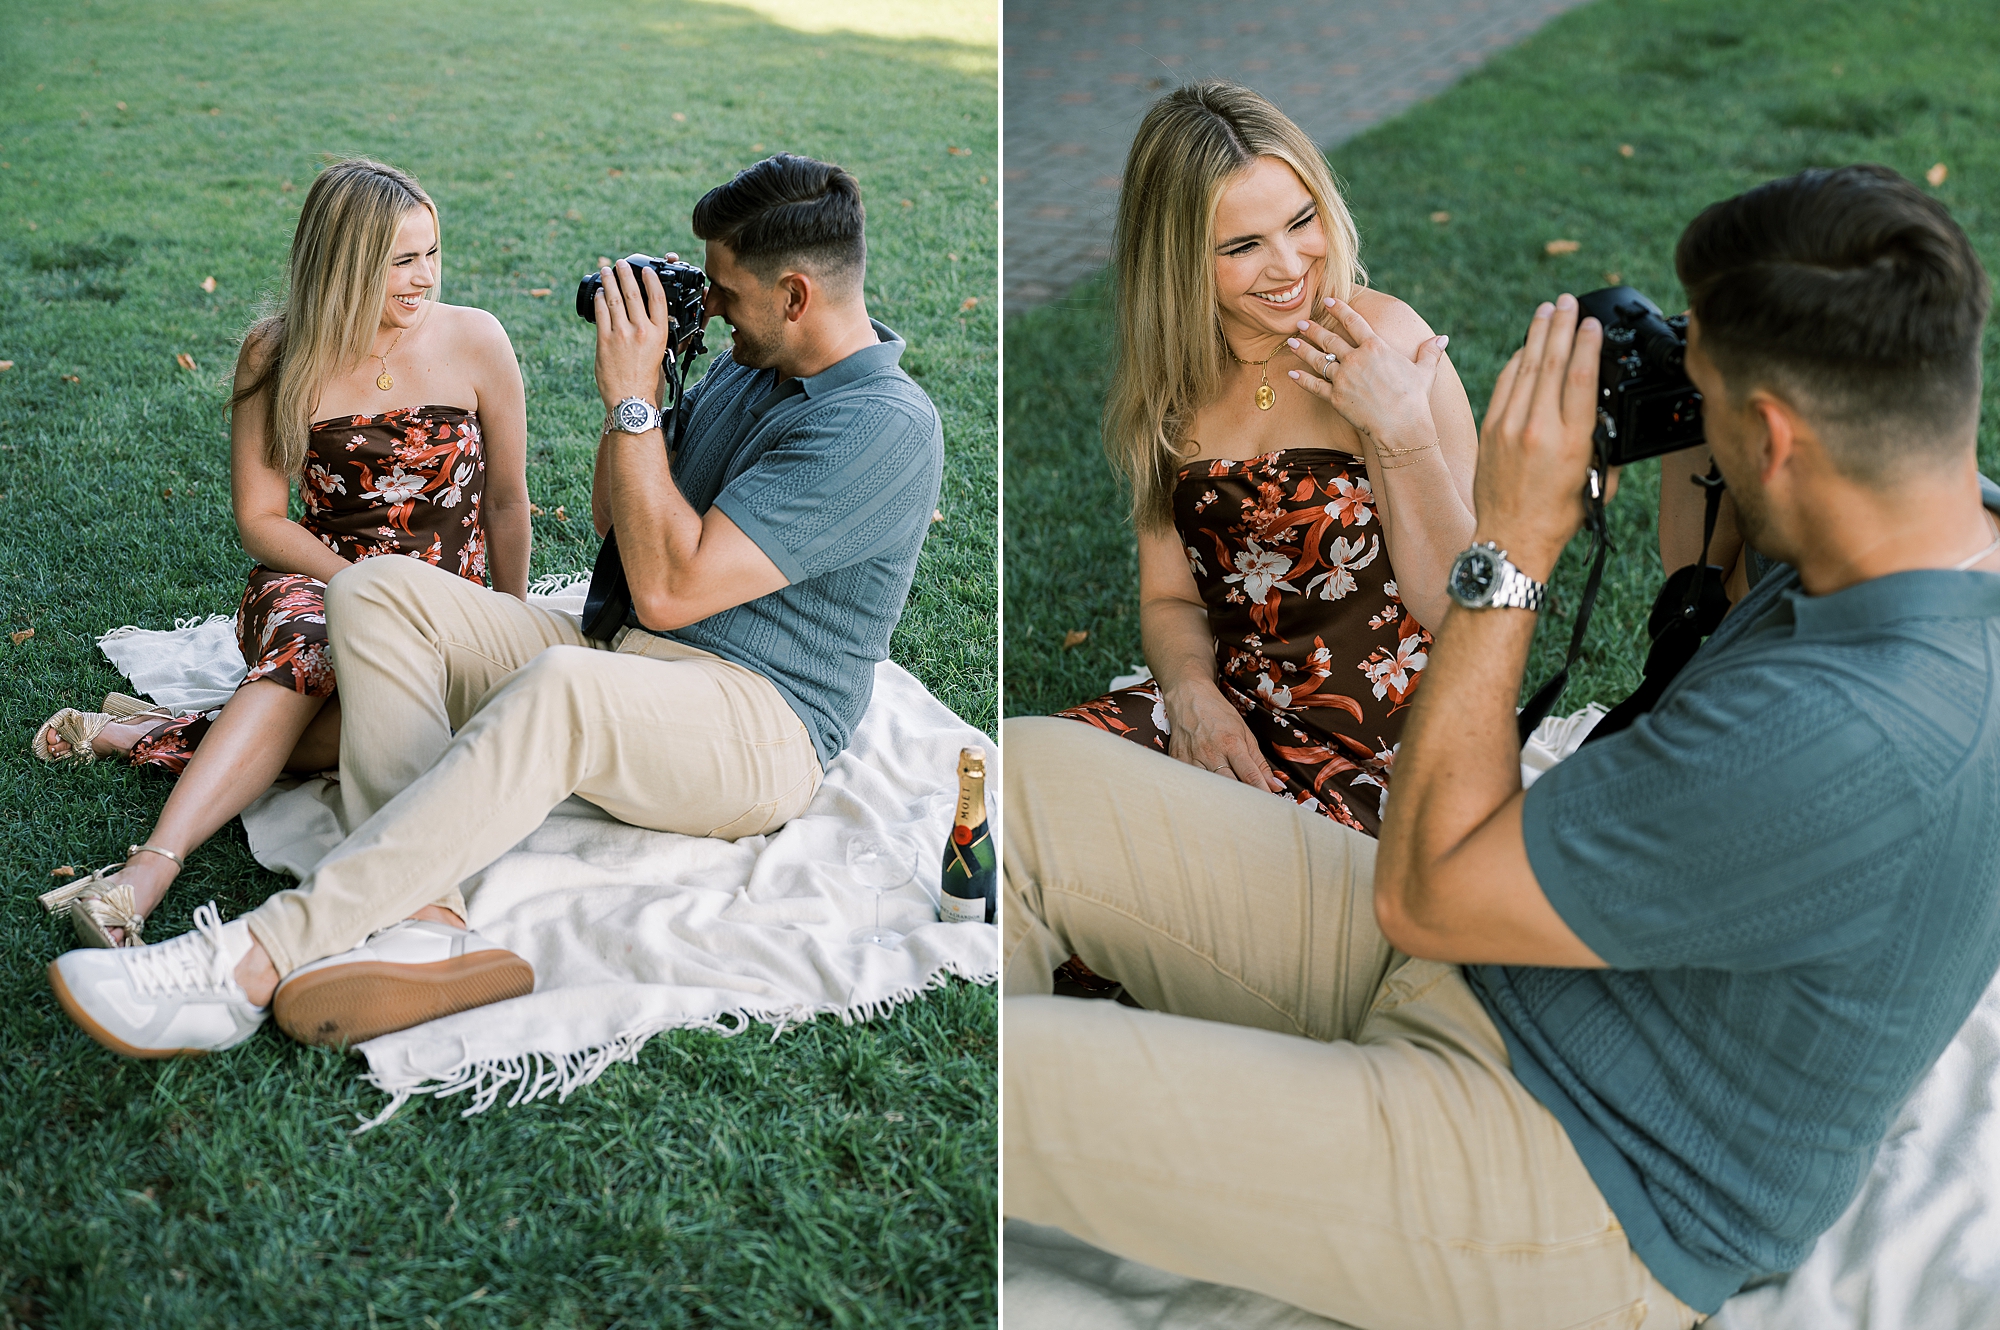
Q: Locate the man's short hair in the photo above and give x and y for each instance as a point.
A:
(1856, 297)
(789, 211)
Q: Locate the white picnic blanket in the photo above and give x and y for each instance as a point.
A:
(1919, 1249)
(632, 931)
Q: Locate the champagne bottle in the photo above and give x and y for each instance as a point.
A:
(968, 856)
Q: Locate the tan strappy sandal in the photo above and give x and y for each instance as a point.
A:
(95, 909)
(79, 729)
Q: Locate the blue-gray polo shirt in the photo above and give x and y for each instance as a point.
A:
(1792, 865)
(835, 477)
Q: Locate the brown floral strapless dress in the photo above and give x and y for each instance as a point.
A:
(1312, 644)
(408, 481)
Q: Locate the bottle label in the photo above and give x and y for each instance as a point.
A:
(958, 910)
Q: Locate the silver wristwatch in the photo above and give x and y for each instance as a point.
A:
(635, 415)
(1483, 578)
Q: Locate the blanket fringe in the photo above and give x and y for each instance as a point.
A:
(554, 584)
(180, 626)
(536, 1076)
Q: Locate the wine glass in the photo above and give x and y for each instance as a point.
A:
(880, 863)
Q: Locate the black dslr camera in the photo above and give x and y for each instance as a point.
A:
(1646, 405)
(608, 603)
(684, 285)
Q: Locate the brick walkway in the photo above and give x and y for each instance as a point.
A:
(1081, 73)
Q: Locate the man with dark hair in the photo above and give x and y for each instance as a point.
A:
(1602, 1050)
(767, 561)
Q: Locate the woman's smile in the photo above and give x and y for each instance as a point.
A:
(1283, 299)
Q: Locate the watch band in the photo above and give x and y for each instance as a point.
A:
(1517, 590)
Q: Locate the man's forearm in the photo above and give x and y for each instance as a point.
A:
(1460, 759)
(659, 532)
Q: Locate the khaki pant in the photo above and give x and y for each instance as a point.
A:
(1301, 1110)
(466, 716)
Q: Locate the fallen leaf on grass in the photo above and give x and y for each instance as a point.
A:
(959, 152)
(215, 110)
(20, 636)
(6, 365)
(908, 203)
(679, 116)
(1440, 217)
(67, 870)
(1613, 279)
(967, 303)
(184, 360)
(951, 256)
(1562, 247)
(535, 509)
(167, 493)
(574, 215)
(286, 186)
(561, 516)
(1626, 150)
(208, 285)
(937, 515)
(1075, 637)
(33, 227)
(538, 291)
(613, 173)
(982, 180)
(71, 378)
(119, 105)
(1937, 174)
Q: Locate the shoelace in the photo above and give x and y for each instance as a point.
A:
(194, 962)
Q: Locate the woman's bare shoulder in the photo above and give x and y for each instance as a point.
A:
(1398, 324)
(471, 327)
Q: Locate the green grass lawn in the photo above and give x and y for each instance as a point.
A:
(839, 1176)
(1712, 96)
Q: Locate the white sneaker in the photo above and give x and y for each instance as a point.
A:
(164, 1000)
(407, 974)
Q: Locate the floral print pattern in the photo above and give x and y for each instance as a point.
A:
(1313, 645)
(408, 482)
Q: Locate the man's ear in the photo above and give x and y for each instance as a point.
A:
(1781, 432)
(800, 291)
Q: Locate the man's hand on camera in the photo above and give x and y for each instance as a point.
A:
(1534, 447)
(630, 343)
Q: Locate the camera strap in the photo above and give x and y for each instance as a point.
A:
(1689, 607)
(1545, 697)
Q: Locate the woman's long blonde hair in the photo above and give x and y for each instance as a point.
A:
(1170, 349)
(332, 307)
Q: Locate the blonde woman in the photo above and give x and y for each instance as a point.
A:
(401, 421)
(1300, 453)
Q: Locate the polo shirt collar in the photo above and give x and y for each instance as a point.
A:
(1922, 593)
(885, 354)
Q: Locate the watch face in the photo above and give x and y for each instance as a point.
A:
(1474, 576)
(634, 416)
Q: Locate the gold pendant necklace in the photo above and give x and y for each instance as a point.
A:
(382, 380)
(1266, 395)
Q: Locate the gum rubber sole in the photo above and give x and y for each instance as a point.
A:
(104, 1036)
(344, 1005)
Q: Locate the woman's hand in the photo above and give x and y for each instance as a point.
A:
(1383, 393)
(1204, 731)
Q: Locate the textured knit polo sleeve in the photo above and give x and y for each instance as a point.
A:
(849, 481)
(1760, 817)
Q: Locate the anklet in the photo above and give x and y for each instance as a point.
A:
(131, 850)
